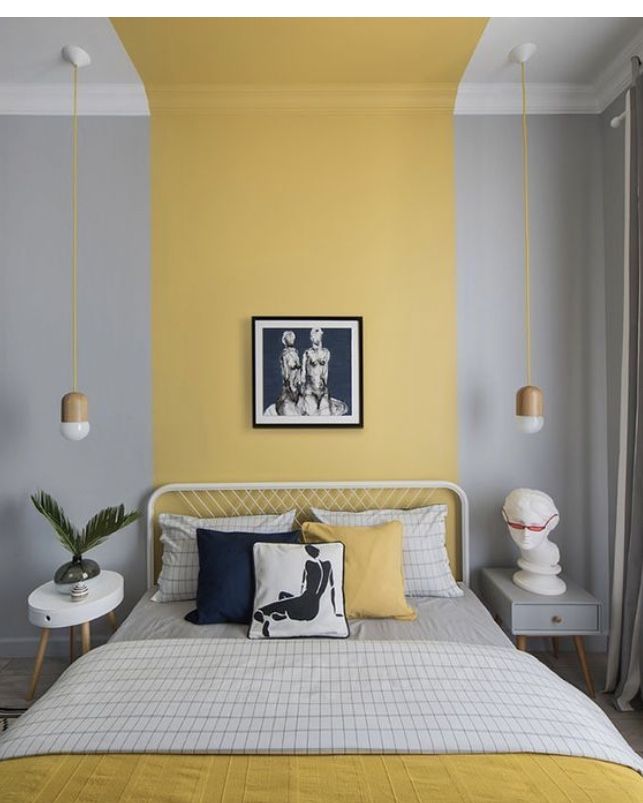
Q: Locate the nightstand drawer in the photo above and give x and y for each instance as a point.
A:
(552, 617)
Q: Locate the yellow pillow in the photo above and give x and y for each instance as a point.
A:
(373, 575)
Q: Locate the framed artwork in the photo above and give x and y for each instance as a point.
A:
(307, 372)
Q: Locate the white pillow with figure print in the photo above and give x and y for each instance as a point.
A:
(299, 591)
(427, 572)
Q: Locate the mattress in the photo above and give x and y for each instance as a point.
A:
(463, 619)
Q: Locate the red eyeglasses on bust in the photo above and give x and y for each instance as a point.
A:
(534, 528)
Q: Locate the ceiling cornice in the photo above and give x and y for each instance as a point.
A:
(590, 98)
(469, 98)
(506, 98)
(55, 99)
(347, 99)
(616, 77)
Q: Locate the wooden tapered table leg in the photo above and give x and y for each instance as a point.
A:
(521, 642)
(554, 645)
(85, 637)
(72, 644)
(40, 656)
(112, 618)
(582, 657)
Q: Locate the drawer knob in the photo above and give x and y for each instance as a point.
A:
(556, 619)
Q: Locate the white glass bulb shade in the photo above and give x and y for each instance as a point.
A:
(529, 409)
(529, 424)
(74, 416)
(74, 430)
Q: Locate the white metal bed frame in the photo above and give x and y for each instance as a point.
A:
(200, 500)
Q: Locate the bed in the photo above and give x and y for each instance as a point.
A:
(442, 708)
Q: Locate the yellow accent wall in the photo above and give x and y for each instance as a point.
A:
(271, 214)
(303, 213)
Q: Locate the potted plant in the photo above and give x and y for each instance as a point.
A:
(79, 542)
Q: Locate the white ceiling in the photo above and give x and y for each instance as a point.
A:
(580, 66)
(570, 50)
(34, 79)
(30, 51)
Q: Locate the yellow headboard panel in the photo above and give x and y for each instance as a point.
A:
(208, 500)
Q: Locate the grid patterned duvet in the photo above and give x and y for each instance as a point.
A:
(313, 696)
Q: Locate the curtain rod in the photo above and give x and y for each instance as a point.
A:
(615, 122)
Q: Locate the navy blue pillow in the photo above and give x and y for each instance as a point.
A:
(226, 587)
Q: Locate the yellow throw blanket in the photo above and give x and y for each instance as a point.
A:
(162, 778)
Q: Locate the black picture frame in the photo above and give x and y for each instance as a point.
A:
(277, 401)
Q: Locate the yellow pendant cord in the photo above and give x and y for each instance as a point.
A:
(74, 244)
(525, 176)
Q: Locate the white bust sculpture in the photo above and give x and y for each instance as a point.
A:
(530, 517)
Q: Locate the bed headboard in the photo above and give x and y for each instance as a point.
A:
(207, 500)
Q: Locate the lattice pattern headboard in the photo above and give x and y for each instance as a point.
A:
(207, 500)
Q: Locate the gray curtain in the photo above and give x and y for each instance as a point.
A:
(624, 657)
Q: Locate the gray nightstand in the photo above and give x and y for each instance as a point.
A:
(575, 613)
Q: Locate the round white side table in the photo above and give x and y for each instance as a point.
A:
(49, 609)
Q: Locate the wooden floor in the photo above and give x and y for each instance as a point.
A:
(16, 672)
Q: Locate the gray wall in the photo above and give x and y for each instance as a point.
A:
(114, 464)
(568, 458)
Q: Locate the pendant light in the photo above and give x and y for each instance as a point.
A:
(74, 420)
(529, 399)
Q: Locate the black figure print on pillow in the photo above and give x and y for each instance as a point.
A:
(299, 591)
(317, 578)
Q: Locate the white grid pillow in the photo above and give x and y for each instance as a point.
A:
(180, 562)
(427, 572)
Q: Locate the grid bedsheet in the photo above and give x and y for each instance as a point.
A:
(462, 618)
(313, 696)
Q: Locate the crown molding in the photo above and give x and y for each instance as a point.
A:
(55, 99)
(346, 99)
(470, 98)
(617, 76)
(506, 98)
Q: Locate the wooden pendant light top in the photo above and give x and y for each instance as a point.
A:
(74, 408)
(529, 401)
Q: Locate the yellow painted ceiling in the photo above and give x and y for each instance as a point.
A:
(277, 51)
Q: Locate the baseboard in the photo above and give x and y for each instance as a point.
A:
(57, 646)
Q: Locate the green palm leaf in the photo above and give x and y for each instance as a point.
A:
(96, 530)
(67, 534)
(105, 523)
